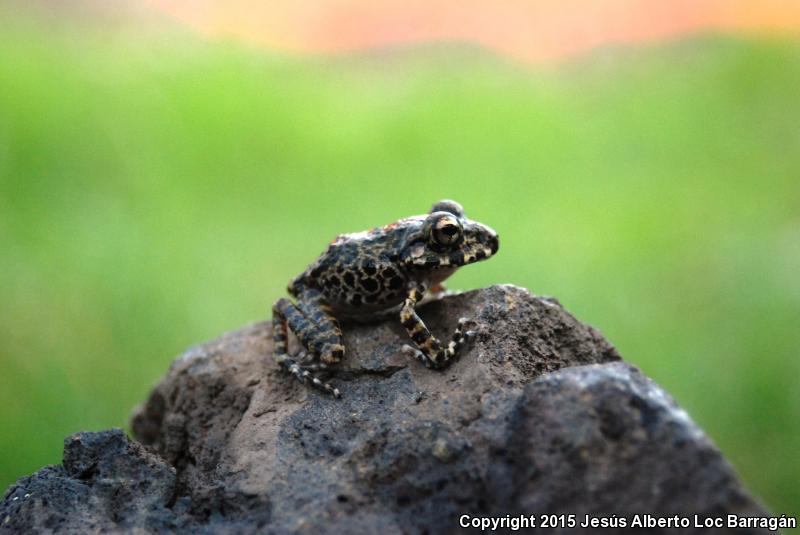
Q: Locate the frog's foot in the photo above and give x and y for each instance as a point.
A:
(309, 361)
(417, 354)
(285, 314)
(322, 338)
(432, 354)
(303, 373)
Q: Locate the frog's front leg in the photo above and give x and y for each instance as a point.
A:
(430, 350)
(316, 329)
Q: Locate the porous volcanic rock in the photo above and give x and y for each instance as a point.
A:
(539, 415)
(105, 483)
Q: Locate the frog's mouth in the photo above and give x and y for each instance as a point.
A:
(472, 253)
(466, 254)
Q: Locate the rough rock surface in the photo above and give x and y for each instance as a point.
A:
(106, 483)
(539, 415)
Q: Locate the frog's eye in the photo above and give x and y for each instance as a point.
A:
(446, 230)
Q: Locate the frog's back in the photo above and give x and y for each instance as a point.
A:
(360, 273)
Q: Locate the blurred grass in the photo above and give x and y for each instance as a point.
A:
(157, 191)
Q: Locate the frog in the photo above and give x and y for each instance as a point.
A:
(386, 270)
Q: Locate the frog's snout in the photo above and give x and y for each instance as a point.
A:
(481, 242)
(494, 242)
(488, 240)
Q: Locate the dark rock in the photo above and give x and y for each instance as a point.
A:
(106, 483)
(538, 416)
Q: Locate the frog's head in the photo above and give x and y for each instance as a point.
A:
(447, 240)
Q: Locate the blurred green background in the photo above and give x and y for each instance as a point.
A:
(157, 190)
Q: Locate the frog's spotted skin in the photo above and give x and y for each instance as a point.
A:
(386, 268)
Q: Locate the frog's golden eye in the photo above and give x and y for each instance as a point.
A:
(446, 230)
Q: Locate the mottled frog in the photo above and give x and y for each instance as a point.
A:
(375, 271)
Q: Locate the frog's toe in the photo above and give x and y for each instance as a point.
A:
(463, 331)
(417, 354)
(303, 374)
(326, 386)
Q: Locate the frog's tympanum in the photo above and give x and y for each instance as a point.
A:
(368, 273)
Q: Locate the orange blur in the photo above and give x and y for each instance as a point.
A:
(538, 30)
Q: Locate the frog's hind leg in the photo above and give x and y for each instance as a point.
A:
(431, 351)
(285, 315)
(325, 342)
